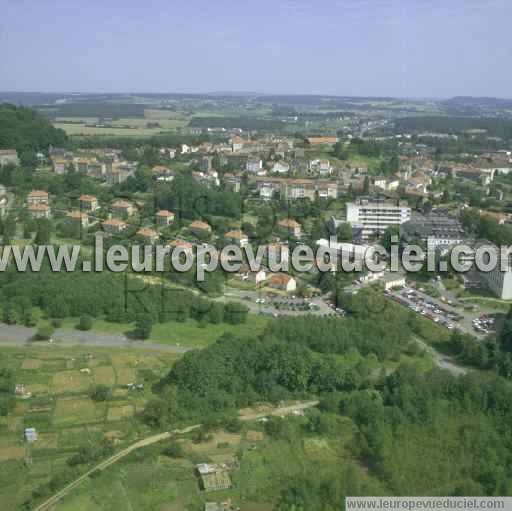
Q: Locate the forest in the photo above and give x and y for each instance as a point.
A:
(25, 130)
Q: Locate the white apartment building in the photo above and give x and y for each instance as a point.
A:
(377, 215)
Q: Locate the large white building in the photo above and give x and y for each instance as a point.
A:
(377, 215)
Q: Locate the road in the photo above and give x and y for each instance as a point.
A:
(54, 499)
(17, 335)
(441, 360)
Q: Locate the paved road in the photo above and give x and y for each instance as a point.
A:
(17, 335)
(54, 499)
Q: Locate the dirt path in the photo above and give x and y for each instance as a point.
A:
(54, 499)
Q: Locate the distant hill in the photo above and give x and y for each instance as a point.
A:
(24, 129)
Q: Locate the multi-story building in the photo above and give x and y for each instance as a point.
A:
(254, 165)
(164, 218)
(114, 226)
(438, 230)
(375, 216)
(296, 188)
(122, 209)
(78, 218)
(37, 197)
(88, 203)
(8, 156)
(39, 210)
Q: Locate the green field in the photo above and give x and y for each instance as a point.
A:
(187, 334)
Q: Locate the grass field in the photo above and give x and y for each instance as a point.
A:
(62, 411)
(185, 334)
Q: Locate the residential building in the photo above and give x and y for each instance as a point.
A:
(232, 182)
(283, 282)
(8, 157)
(122, 209)
(237, 144)
(256, 277)
(88, 203)
(78, 217)
(38, 197)
(280, 167)
(60, 166)
(149, 236)
(205, 163)
(254, 165)
(322, 140)
(114, 226)
(375, 216)
(320, 167)
(236, 237)
(199, 227)
(164, 218)
(39, 210)
(291, 227)
(30, 435)
(184, 246)
(310, 189)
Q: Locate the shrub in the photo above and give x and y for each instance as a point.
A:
(45, 332)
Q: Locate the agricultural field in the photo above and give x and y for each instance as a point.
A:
(152, 481)
(168, 121)
(60, 382)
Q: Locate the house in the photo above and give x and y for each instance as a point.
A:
(236, 237)
(122, 209)
(184, 246)
(39, 211)
(213, 477)
(283, 282)
(149, 236)
(9, 157)
(245, 273)
(254, 165)
(280, 167)
(88, 203)
(3, 206)
(185, 149)
(164, 218)
(320, 167)
(114, 226)
(59, 166)
(38, 197)
(290, 226)
(322, 140)
(77, 217)
(237, 144)
(205, 163)
(232, 182)
(197, 227)
(30, 435)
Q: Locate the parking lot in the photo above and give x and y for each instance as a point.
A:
(473, 322)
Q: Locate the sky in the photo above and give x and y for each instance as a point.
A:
(401, 48)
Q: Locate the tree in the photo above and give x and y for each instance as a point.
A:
(101, 393)
(43, 232)
(45, 332)
(344, 232)
(143, 327)
(85, 322)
